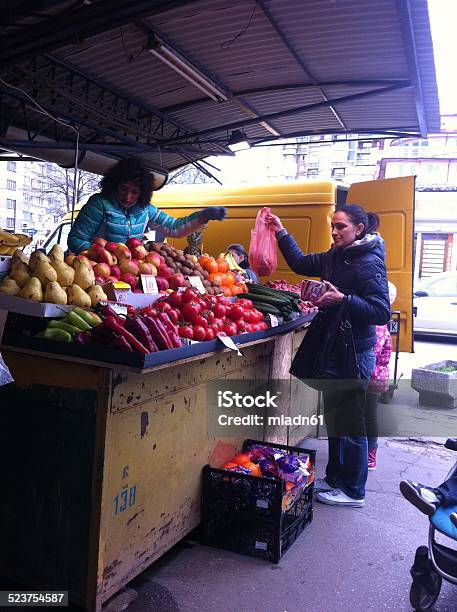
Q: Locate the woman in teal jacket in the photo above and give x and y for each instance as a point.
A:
(122, 210)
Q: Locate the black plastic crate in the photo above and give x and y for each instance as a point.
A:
(245, 513)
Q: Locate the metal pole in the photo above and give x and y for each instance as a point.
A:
(75, 180)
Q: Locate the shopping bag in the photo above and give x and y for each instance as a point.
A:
(263, 255)
(327, 352)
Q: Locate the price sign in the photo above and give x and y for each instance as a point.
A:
(196, 283)
(149, 284)
(119, 309)
(273, 320)
(228, 342)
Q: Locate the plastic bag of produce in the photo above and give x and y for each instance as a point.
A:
(263, 255)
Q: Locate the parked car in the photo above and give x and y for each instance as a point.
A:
(435, 303)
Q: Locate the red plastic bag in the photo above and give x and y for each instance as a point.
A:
(263, 255)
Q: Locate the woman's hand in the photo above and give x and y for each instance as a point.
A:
(274, 222)
(331, 296)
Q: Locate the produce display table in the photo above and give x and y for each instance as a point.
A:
(102, 463)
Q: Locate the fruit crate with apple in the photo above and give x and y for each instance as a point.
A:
(250, 514)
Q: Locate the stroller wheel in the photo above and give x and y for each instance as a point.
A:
(424, 591)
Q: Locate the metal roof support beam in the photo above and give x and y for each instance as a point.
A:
(298, 59)
(407, 30)
(290, 112)
(83, 146)
(78, 24)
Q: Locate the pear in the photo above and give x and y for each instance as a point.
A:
(96, 294)
(32, 290)
(65, 273)
(35, 258)
(77, 297)
(84, 275)
(19, 257)
(9, 286)
(56, 254)
(54, 293)
(45, 272)
(20, 273)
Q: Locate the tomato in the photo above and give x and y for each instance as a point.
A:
(245, 303)
(163, 307)
(186, 331)
(222, 299)
(262, 325)
(219, 311)
(199, 333)
(256, 316)
(210, 335)
(148, 310)
(221, 333)
(190, 311)
(173, 316)
(240, 326)
(210, 301)
(248, 327)
(215, 328)
(199, 320)
(236, 312)
(209, 315)
(230, 328)
(175, 299)
(219, 323)
(188, 296)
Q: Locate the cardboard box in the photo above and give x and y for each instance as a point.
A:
(121, 293)
(34, 309)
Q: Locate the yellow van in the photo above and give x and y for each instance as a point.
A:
(305, 207)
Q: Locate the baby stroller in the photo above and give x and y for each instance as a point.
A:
(435, 562)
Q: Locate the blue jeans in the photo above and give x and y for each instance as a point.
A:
(347, 467)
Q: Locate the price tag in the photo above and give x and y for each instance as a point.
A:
(119, 309)
(196, 283)
(149, 284)
(228, 342)
(273, 320)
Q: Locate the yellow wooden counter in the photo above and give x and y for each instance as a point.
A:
(101, 464)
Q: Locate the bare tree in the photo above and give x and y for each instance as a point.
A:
(188, 175)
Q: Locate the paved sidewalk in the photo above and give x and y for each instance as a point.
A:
(347, 560)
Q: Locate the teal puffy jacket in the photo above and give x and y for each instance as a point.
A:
(103, 218)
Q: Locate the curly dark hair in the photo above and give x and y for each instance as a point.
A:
(129, 170)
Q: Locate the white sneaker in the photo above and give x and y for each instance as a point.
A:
(322, 485)
(336, 497)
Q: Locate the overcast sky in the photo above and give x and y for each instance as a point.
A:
(443, 18)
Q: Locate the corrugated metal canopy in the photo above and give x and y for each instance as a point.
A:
(281, 68)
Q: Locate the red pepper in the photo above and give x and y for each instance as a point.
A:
(112, 324)
(108, 311)
(158, 333)
(101, 334)
(121, 344)
(137, 327)
(171, 329)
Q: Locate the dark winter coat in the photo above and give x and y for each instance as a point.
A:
(358, 271)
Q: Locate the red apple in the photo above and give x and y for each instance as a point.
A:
(92, 263)
(102, 270)
(162, 284)
(122, 252)
(130, 279)
(153, 258)
(115, 271)
(176, 280)
(138, 252)
(94, 251)
(114, 258)
(161, 257)
(129, 266)
(99, 280)
(132, 243)
(82, 258)
(112, 278)
(147, 268)
(85, 253)
(105, 256)
(100, 241)
(111, 246)
(163, 271)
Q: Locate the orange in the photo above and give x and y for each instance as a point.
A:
(241, 458)
(211, 266)
(223, 265)
(202, 259)
(253, 467)
(289, 486)
(229, 279)
(215, 278)
(227, 291)
(229, 465)
(236, 290)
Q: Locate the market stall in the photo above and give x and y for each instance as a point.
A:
(103, 448)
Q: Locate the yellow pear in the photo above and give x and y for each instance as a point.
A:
(65, 273)
(32, 290)
(19, 257)
(10, 287)
(84, 275)
(45, 272)
(20, 273)
(96, 294)
(56, 253)
(54, 293)
(35, 258)
(77, 297)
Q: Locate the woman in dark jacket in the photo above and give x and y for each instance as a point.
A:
(241, 257)
(354, 271)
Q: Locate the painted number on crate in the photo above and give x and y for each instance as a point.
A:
(125, 499)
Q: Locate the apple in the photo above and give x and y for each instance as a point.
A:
(99, 280)
(132, 243)
(113, 279)
(129, 266)
(69, 259)
(92, 263)
(162, 284)
(105, 257)
(138, 252)
(83, 258)
(100, 241)
(153, 258)
(115, 271)
(162, 258)
(176, 280)
(85, 252)
(163, 271)
(94, 251)
(111, 246)
(114, 258)
(122, 252)
(102, 270)
(147, 268)
(130, 279)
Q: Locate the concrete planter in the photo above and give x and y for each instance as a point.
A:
(436, 388)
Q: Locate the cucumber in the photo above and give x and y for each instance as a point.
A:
(274, 292)
(267, 308)
(267, 299)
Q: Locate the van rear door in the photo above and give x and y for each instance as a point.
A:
(393, 200)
